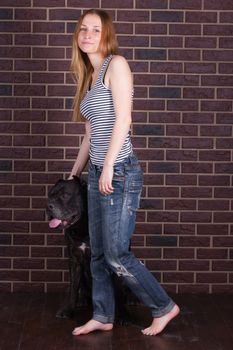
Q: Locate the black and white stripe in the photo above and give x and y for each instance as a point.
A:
(97, 107)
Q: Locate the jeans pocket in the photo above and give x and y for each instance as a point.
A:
(118, 173)
(134, 193)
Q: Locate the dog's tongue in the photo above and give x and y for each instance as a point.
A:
(54, 223)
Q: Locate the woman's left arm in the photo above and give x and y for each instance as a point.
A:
(121, 85)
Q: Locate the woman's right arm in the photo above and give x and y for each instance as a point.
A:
(83, 153)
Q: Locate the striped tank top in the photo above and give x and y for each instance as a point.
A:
(97, 107)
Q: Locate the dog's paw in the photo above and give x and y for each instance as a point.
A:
(65, 313)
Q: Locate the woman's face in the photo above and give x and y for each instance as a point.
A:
(89, 35)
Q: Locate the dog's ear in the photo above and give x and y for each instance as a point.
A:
(76, 178)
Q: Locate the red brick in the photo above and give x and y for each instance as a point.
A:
(178, 253)
(6, 140)
(181, 155)
(148, 154)
(12, 102)
(164, 117)
(212, 229)
(164, 216)
(223, 217)
(224, 192)
(48, 78)
(14, 26)
(123, 28)
(9, 275)
(197, 167)
(186, 80)
(183, 54)
(30, 65)
(225, 93)
(150, 4)
(198, 93)
(149, 228)
(136, 41)
(193, 289)
(215, 155)
(223, 241)
(34, 215)
(213, 277)
(21, 140)
(157, 265)
(226, 43)
(50, 276)
(200, 67)
(135, 16)
(10, 251)
(178, 277)
(216, 5)
(15, 77)
(30, 14)
(171, 41)
(179, 229)
(29, 165)
(194, 265)
(217, 80)
(200, 42)
(200, 17)
(225, 68)
(6, 39)
(47, 153)
(222, 265)
(153, 179)
(223, 289)
(28, 264)
(181, 180)
(14, 202)
(197, 143)
(163, 191)
(196, 217)
(5, 263)
(54, 252)
(184, 4)
(216, 106)
(14, 153)
(214, 180)
(196, 192)
(226, 17)
(28, 115)
(214, 29)
(224, 168)
(28, 287)
(180, 204)
(212, 253)
(5, 190)
(47, 103)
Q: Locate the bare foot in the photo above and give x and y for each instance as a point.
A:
(160, 323)
(91, 326)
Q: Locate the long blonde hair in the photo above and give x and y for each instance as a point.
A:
(81, 67)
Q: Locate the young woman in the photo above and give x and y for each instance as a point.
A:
(103, 100)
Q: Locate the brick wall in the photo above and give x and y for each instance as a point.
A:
(181, 54)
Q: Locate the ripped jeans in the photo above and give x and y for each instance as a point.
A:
(111, 225)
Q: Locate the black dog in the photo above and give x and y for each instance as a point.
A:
(67, 209)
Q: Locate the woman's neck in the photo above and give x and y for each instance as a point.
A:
(96, 62)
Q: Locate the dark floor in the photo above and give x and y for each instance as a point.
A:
(28, 322)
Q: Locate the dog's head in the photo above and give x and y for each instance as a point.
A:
(66, 203)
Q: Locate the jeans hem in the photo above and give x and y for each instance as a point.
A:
(164, 311)
(103, 319)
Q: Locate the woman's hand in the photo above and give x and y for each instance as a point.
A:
(105, 181)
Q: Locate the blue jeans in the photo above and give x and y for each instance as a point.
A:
(111, 225)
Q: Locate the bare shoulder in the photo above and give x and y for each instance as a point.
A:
(119, 64)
